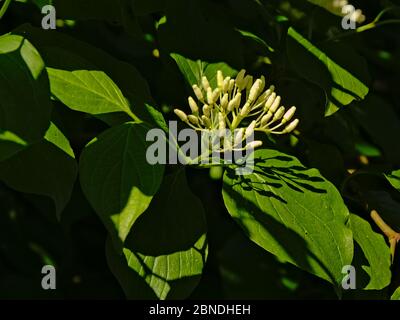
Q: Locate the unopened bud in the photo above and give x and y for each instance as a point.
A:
(181, 115)
(250, 129)
(205, 83)
(239, 136)
(220, 79)
(289, 115)
(292, 126)
(231, 85)
(279, 114)
(270, 101)
(207, 110)
(198, 93)
(193, 105)
(249, 82)
(210, 96)
(240, 78)
(226, 84)
(193, 119)
(254, 144)
(206, 121)
(255, 90)
(221, 121)
(266, 119)
(235, 102)
(224, 101)
(245, 110)
(276, 104)
(215, 95)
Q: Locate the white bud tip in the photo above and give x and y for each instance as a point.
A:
(254, 144)
(206, 121)
(270, 101)
(197, 92)
(250, 129)
(210, 96)
(206, 110)
(220, 79)
(193, 105)
(276, 104)
(289, 114)
(255, 90)
(265, 119)
(193, 119)
(181, 115)
(205, 83)
(279, 114)
(292, 126)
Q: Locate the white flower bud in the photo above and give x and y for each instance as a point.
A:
(205, 83)
(220, 79)
(250, 129)
(240, 78)
(198, 93)
(276, 104)
(207, 110)
(206, 121)
(224, 101)
(270, 101)
(193, 105)
(239, 134)
(193, 119)
(254, 144)
(279, 114)
(245, 110)
(265, 119)
(235, 102)
(181, 115)
(231, 85)
(215, 95)
(226, 84)
(292, 126)
(221, 121)
(289, 115)
(255, 90)
(210, 96)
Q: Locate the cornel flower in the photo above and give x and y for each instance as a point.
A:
(237, 101)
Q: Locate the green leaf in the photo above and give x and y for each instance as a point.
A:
(63, 52)
(376, 262)
(56, 137)
(166, 250)
(25, 105)
(92, 92)
(292, 212)
(341, 86)
(193, 71)
(394, 179)
(252, 36)
(42, 169)
(396, 294)
(10, 144)
(117, 179)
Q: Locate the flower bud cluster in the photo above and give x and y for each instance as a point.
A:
(235, 101)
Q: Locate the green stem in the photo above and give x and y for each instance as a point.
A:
(4, 8)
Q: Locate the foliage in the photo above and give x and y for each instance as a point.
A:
(77, 191)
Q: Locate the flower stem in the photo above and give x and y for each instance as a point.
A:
(392, 235)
